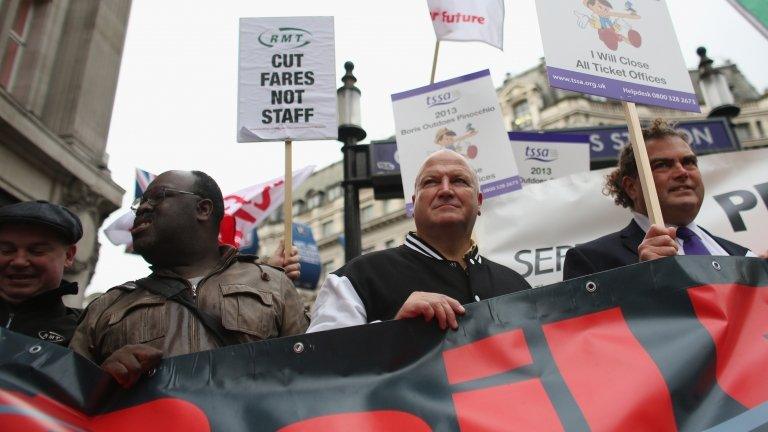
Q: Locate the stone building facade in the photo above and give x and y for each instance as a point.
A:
(59, 63)
(528, 103)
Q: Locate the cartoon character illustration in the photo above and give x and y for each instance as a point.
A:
(448, 139)
(606, 21)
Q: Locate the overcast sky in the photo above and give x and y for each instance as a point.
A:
(176, 98)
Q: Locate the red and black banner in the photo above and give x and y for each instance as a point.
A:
(676, 344)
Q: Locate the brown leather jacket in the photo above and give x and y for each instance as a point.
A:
(253, 302)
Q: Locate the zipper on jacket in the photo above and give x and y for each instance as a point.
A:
(10, 319)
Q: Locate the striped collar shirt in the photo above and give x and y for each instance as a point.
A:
(414, 242)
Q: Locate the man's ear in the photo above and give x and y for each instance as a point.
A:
(69, 258)
(204, 209)
(413, 199)
(632, 188)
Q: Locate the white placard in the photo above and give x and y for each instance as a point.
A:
(624, 50)
(547, 156)
(531, 230)
(461, 114)
(286, 80)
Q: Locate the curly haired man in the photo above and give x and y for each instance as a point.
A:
(681, 193)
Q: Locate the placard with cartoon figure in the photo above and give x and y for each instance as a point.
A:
(620, 49)
(461, 114)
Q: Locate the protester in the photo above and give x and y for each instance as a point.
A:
(437, 269)
(681, 192)
(37, 242)
(199, 296)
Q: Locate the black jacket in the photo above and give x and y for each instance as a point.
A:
(44, 316)
(617, 250)
(385, 279)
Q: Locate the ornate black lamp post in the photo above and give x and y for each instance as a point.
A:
(350, 133)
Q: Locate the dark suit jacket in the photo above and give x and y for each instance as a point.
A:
(619, 249)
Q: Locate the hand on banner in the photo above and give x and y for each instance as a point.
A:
(291, 265)
(659, 242)
(431, 305)
(130, 362)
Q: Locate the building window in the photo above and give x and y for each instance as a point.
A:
(334, 192)
(742, 131)
(277, 216)
(366, 213)
(390, 243)
(299, 207)
(392, 205)
(760, 130)
(326, 228)
(368, 250)
(315, 200)
(17, 41)
(328, 267)
(522, 113)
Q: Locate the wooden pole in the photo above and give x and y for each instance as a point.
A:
(644, 172)
(288, 203)
(434, 62)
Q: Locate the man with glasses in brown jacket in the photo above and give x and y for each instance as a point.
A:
(199, 296)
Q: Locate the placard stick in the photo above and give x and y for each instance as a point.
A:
(434, 62)
(288, 203)
(643, 164)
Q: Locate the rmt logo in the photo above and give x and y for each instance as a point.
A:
(285, 37)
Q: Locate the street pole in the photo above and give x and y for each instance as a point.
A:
(353, 243)
(350, 133)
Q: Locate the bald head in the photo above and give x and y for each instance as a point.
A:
(446, 156)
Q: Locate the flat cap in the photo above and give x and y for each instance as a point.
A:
(44, 213)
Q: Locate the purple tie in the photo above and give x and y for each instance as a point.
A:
(692, 244)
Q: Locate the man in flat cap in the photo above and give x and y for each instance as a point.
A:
(37, 242)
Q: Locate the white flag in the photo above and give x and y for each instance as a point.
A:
(119, 231)
(247, 207)
(468, 20)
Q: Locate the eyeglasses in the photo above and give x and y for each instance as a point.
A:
(158, 196)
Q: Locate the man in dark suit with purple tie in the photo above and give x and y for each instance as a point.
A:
(681, 193)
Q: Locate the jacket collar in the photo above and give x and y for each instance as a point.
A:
(47, 299)
(414, 242)
(631, 236)
(227, 255)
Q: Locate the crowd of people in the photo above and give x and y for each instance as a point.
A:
(201, 295)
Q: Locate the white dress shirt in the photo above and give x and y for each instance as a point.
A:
(712, 246)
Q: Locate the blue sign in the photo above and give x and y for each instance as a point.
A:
(384, 158)
(250, 242)
(309, 256)
(705, 136)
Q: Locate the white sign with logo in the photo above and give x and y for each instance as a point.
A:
(463, 115)
(546, 156)
(287, 79)
(530, 231)
(624, 50)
